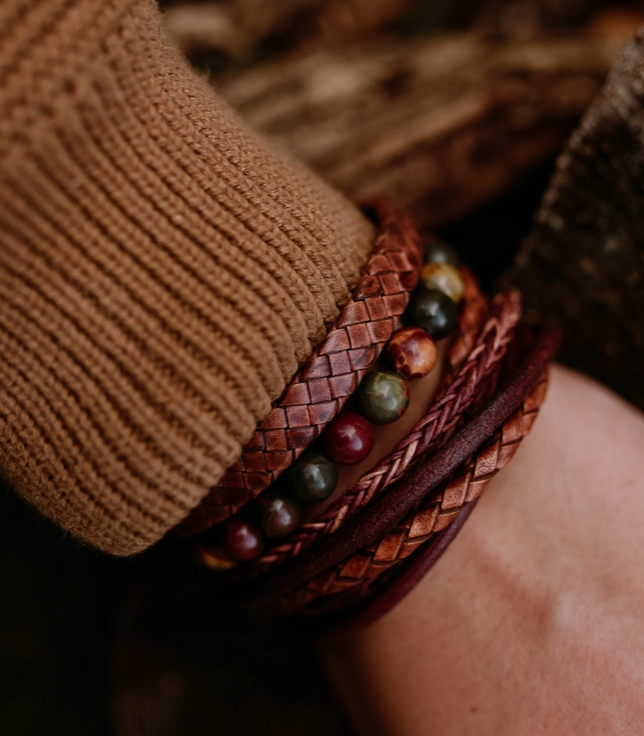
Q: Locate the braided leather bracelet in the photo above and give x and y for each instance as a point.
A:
(471, 368)
(366, 550)
(328, 378)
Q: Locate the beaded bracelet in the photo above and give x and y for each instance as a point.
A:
(381, 398)
(471, 384)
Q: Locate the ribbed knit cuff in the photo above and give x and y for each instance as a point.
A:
(163, 271)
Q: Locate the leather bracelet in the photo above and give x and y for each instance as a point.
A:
(371, 523)
(412, 352)
(348, 614)
(355, 552)
(374, 601)
(328, 378)
(465, 388)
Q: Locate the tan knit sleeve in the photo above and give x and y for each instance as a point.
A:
(162, 271)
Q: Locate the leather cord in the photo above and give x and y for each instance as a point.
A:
(348, 620)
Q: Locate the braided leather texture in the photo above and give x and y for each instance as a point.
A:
(430, 516)
(474, 366)
(526, 362)
(329, 377)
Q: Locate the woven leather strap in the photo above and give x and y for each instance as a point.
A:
(329, 377)
(372, 523)
(465, 391)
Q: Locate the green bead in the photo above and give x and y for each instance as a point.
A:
(433, 311)
(278, 516)
(313, 477)
(383, 397)
(441, 253)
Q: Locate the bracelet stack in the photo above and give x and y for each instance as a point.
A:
(361, 552)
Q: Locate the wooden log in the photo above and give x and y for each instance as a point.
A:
(442, 125)
(245, 30)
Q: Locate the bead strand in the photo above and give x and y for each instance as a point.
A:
(381, 398)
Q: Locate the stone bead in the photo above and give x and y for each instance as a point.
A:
(313, 477)
(348, 439)
(214, 558)
(242, 540)
(279, 516)
(443, 277)
(441, 253)
(412, 352)
(433, 311)
(383, 397)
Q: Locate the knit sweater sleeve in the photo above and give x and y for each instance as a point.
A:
(163, 271)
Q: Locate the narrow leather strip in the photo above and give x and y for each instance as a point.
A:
(372, 522)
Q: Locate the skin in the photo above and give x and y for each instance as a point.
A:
(532, 621)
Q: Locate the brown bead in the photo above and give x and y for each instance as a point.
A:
(214, 558)
(412, 352)
(443, 277)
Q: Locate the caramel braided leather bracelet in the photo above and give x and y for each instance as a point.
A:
(371, 524)
(465, 387)
(331, 374)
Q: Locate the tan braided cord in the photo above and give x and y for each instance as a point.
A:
(432, 515)
(469, 386)
(328, 378)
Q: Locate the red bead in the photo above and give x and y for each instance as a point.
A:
(412, 352)
(348, 439)
(242, 540)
